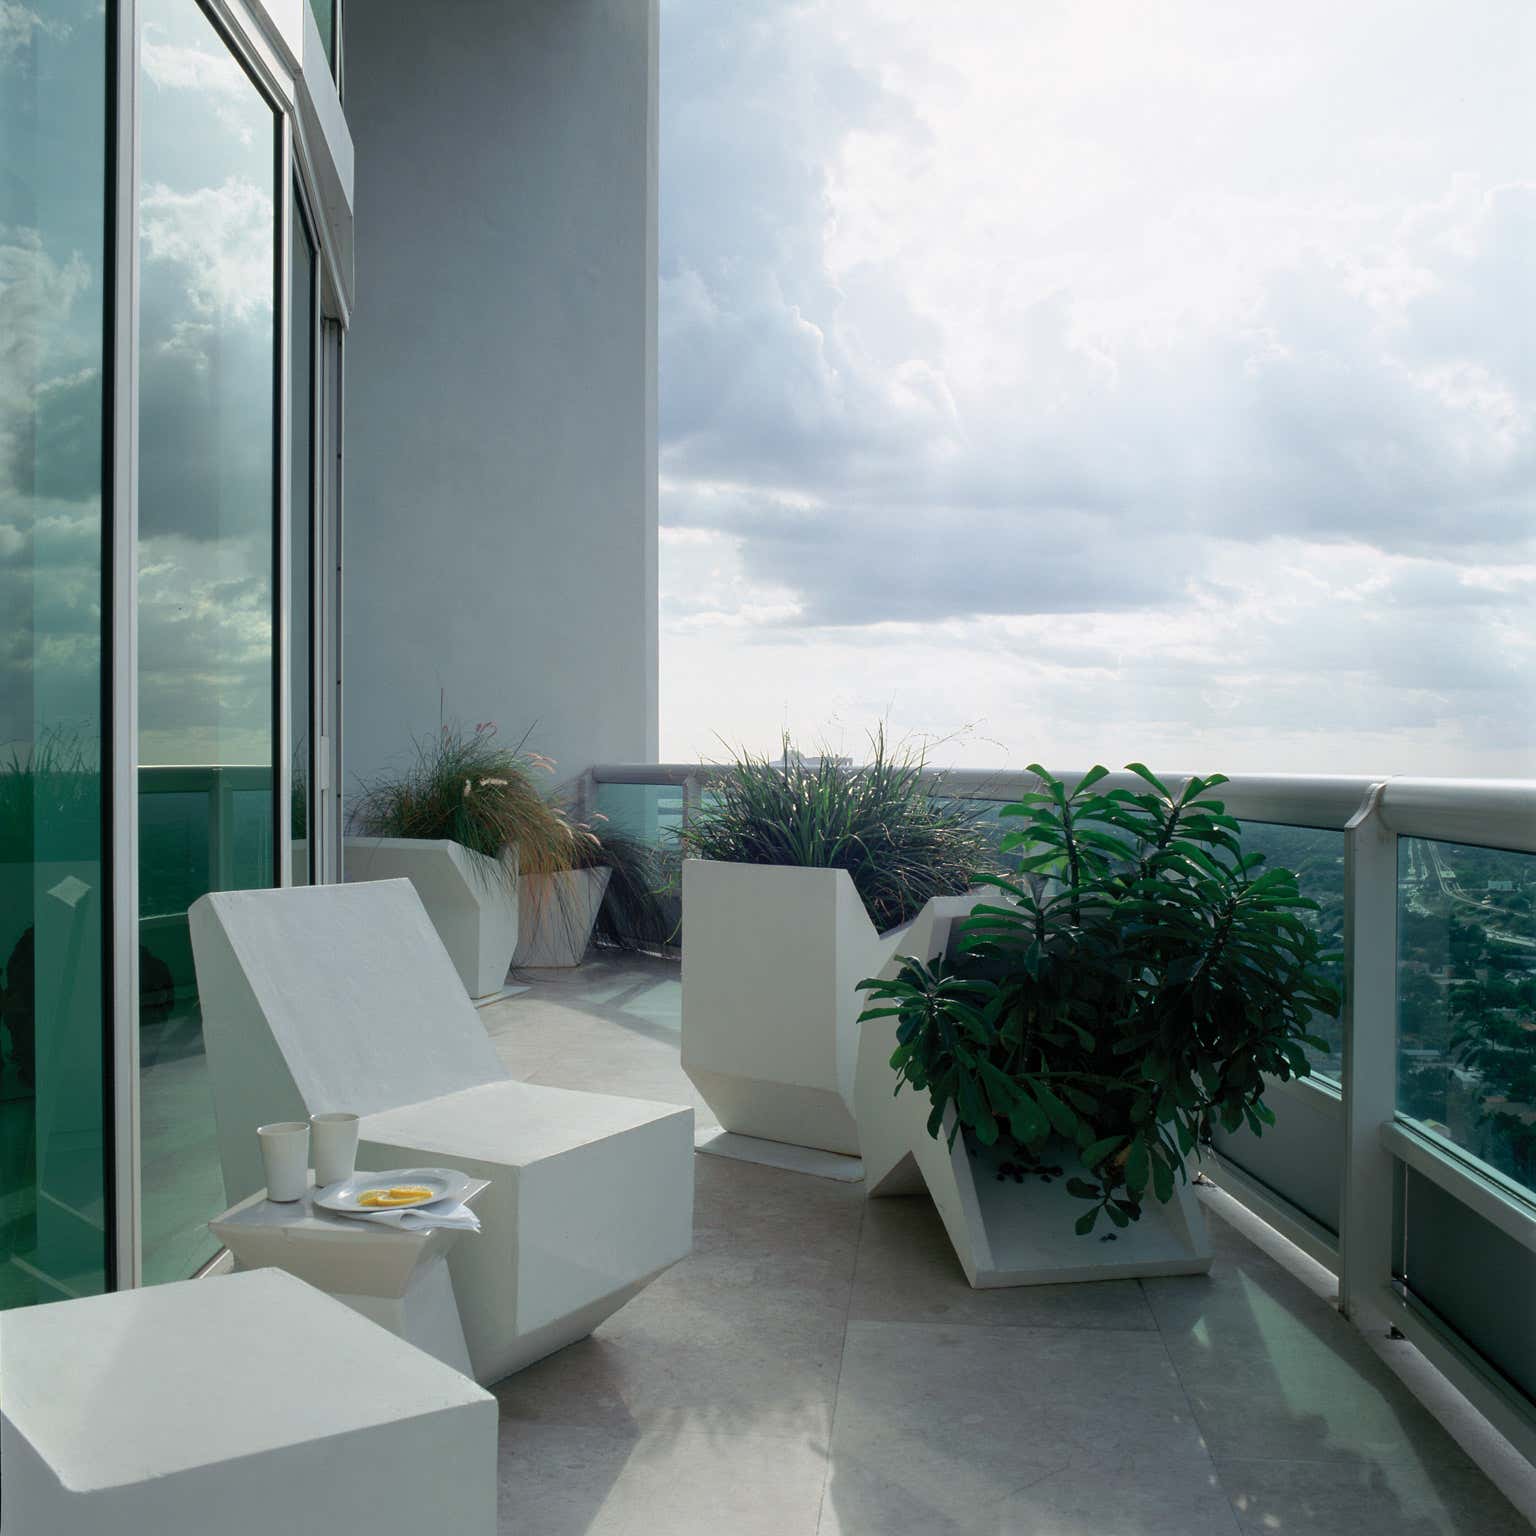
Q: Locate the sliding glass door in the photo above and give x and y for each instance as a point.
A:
(170, 648)
(54, 907)
(208, 514)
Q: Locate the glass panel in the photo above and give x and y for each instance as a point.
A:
(1466, 1019)
(325, 18)
(206, 504)
(651, 813)
(1470, 1274)
(52, 241)
(301, 501)
(1317, 857)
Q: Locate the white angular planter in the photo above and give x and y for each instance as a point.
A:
(557, 914)
(471, 903)
(772, 958)
(1006, 1233)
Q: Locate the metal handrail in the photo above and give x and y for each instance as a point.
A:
(1496, 813)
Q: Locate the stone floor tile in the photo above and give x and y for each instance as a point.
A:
(1033, 1496)
(559, 1480)
(991, 1390)
(908, 1272)
(974, 1430)
(1274, 1372)
(745, 1335)
(1367, 1498)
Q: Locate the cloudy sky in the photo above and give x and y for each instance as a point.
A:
(1086, 381)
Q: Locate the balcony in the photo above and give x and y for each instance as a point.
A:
(819, 1365)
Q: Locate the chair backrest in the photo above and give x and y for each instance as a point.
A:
(328, 997)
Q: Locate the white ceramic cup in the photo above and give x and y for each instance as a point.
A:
(335, 1142)
(285, 1158)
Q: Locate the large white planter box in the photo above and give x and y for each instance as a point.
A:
(471, 902)
(1007, 1233)
(772, 959)
(557, 914)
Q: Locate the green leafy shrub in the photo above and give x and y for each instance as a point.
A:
(885, 823)
(469, 788)
(1141, 976)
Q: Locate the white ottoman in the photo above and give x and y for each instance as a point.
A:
(249, 1405)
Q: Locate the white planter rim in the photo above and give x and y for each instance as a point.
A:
(825, 870)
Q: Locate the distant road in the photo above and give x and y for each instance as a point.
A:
(1425, 864)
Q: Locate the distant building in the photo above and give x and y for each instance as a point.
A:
(800, 760)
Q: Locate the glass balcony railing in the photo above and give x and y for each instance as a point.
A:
(1466, 999)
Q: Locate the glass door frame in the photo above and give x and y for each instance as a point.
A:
(237, 29)
(122, 679)
(315, 829)
(330, 798)
(326, 809)
(294, 178)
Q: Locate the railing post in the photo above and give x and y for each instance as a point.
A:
(584, 797)
(1370, 1061)
(218, 833)
(691, 794)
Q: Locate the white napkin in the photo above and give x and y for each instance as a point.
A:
(421, 1218)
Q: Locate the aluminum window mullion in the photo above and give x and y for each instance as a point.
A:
(317, 828)
(335, 659)
(121, 738)
(281, 693)
(316, 833)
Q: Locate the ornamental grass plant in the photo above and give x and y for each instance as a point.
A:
(53, 782)
(640, 906)
(886, 823)
(471, 789)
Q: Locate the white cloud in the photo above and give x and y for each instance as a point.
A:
(203, 68)
(1156, 374)
(19, 24)
(205, 650)
(221, 237)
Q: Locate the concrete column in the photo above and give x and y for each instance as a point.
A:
(500, 530)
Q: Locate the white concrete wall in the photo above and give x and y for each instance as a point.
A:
(500, 516)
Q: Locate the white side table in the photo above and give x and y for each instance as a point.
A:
(398, 1279)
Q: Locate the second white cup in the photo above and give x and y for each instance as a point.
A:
(335, 1141)
(285, 1158)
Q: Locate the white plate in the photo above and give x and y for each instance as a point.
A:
(445, 1184)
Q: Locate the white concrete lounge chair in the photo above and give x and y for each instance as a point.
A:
(342, 997)
(247, 1405)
